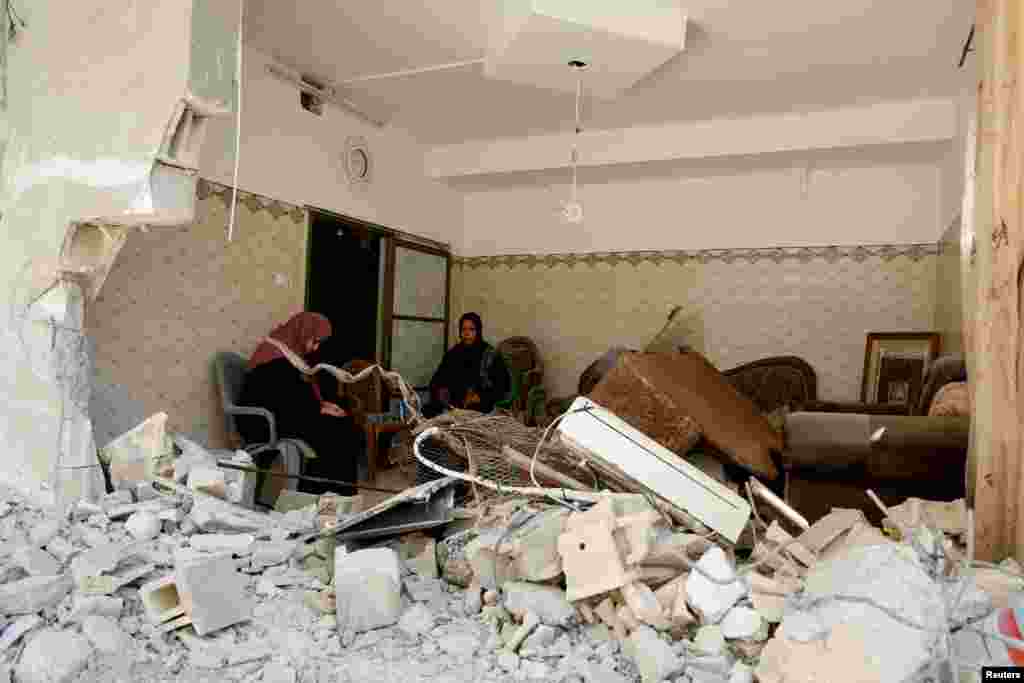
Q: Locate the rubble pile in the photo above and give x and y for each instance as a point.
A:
(166, 579)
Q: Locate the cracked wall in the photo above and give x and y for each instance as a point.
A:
(105, 117)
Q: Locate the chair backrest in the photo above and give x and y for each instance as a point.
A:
(520, 354)
(228, 369)
(951, 367)
(369, 391)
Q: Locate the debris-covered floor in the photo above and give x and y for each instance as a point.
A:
(172, 586)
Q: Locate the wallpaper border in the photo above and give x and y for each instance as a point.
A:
(831, 254)
(254, 202)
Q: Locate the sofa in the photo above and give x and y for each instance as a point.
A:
(835, 451)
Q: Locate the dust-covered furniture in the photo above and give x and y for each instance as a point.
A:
(526, 374)
(832, 458)
(286, 455)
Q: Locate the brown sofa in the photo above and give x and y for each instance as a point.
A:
(836, 451)
(830, 459)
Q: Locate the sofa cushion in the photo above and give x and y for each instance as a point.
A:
(954, 399)
(674, 397)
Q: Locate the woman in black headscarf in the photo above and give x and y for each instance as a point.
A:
(472, 374)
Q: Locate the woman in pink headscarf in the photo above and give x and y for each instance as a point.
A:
(298, 407)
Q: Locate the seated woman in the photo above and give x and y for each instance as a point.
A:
(300, 412)
(472, 374)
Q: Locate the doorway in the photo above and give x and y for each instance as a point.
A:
(343, 283)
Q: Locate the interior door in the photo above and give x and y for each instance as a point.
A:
(416, 319)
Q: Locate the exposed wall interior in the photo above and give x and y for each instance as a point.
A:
(174, 298)
(738, 306)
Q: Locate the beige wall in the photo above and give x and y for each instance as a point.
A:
(174, 298)
(739, 305)
(948, 290)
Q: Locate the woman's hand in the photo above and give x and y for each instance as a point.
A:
(333, 409)
(472, 398)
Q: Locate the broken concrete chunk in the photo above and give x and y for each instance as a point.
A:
(143, 526)
(276, 672)
(530, 622)
(653, 656)
(33, 594)
(269, 553)
(591, 558)
(236, 544)
(829, 527)
(213, 594)
(547, 602)
(144, 491)
(644, 605)
(60, 549)
(538, 642)
(106, 636)
(44, 532)
(35, 562)
(86, 605)
(367, 585)
(609, 615)
(419, 553)
(711, 600)
(778, 535)
(53, 657)
(418, 620)
(535, 546)
(741, 623)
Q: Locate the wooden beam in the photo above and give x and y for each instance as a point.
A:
(997, 343)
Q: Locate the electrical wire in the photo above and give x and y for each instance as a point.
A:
(238, 122)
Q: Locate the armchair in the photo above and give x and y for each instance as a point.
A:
(526, 371)
(228, 370)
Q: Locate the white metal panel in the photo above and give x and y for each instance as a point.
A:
(608, 438)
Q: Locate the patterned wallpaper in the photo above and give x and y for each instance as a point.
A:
(175, 297)
(949, 305)
(738, 304)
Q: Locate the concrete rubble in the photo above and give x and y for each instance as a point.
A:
(166, 580)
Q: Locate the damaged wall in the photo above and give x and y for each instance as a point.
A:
(175, 298)
(91, 95)
(816, 304)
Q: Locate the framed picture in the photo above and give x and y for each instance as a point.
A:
(895, 365)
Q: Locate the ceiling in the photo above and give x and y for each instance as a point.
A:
(742, 57)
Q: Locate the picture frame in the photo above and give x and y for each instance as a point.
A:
(895, 365)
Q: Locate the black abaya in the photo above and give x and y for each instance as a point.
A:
(281, 389)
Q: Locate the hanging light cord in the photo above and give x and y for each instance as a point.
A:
(579, 128)
(238, 123)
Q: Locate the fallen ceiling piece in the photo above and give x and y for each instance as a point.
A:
(610, 443)
(621, 43)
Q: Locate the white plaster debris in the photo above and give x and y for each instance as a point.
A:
(53, 657)
(741, 623)
(294, 631)
(143, 526)
(36, 562)
(710, 601)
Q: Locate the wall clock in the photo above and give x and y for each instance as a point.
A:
(358, 162)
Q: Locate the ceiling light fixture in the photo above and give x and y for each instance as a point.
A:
(572, 210)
